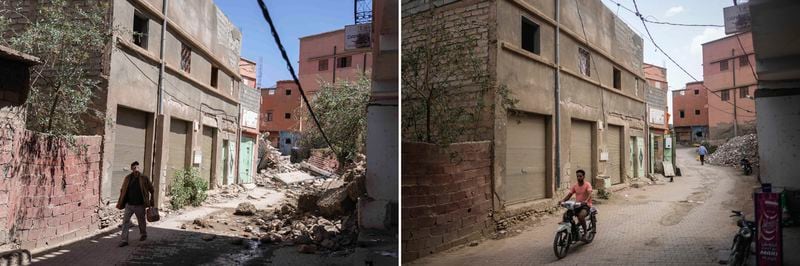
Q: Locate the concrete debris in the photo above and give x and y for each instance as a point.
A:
(733, 151)
(225, 193)
(245, 208)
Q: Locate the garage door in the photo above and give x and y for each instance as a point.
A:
(614, 164)
(208, 148)
(526, 159)
(580, 150)
(129, 145)
(178, 132)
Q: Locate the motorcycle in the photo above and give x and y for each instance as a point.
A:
(570, 231)
(740, 249)
(746, 166)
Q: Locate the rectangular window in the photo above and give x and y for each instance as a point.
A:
(744, 92)
(723, 65)
(530, 36)
(269, 116)
(214, 76)
(583, 60)
(287, 115)
(186, 58)
(744, 61)
(696, 92)
(140, 30)
(617, 79)
(289, 92)
(724, 95)
(343, 62)
(696, 112)
(323, 65)
(288, 141)
(681, 113)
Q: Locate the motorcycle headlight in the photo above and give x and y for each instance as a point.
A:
(746, 233)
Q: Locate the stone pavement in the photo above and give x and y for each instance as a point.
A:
(680, 223)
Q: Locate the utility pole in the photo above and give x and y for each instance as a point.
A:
(733, 70)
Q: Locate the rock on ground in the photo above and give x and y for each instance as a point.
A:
(245, 208)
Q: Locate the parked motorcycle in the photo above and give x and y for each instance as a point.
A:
(746, 166)
(740, 249)
(570, 231)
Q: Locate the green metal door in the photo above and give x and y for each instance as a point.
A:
(668, 148)
(246, 160)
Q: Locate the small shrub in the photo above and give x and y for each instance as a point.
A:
(603, 194)
(188, 188)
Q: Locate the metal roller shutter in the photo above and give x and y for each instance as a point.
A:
(129, 145)
(580, 149)
(614, 164)
(208, 149)
(177, 137)
(526, 161)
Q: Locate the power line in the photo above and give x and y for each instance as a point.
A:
(652, 40)
(664, 22)
(277, 38)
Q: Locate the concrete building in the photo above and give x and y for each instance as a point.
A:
(728, 73)
(690, 120)
(324, 59)
(657, 117)
(280, 116)
(778, 97)
(250, 101)
(576, 70)
(378, 210)
(169, 94)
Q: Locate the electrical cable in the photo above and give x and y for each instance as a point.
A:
(277, 39)
(652, 40)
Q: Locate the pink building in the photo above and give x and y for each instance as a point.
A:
(247, 69)
(728, 73)
(323, 57)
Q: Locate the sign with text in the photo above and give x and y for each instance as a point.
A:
(656, 116)
(357, 36)
(737, 18)
(768, 221)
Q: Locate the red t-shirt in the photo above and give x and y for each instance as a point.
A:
(582, 192)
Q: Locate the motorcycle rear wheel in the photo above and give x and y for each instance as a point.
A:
(561, 244)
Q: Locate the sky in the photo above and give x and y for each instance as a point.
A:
(293, 19)
(298, 18)
(682, 43)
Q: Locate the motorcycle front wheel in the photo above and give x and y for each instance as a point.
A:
(561, 244)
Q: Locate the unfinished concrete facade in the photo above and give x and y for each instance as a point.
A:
(729, 75)
(657, 117)
(539, 49)
(196, 121)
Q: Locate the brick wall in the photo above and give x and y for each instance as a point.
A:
(48, 192)
(446, 196)
(324, 159)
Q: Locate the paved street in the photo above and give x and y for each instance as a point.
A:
(680, 223)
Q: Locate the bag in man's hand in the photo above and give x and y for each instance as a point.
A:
(152, 214)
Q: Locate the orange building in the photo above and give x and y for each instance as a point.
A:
(691, 113)
(728, 73)
(323, 57)
(279, 114)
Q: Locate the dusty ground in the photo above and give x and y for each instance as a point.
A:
(223, 241)
(681, 223)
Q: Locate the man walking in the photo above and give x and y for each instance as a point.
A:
(702, 151)
(135, 197)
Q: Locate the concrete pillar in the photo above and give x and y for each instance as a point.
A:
(160, 156)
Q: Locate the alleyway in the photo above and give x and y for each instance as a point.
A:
(680, 223)
(168, 244)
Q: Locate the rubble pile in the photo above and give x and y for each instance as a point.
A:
(309, 232)
(109, 215)
(734, 150)
(224, 193)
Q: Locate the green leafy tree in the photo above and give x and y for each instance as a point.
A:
(68, 37)
(342, 111)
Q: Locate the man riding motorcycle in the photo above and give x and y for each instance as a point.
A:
(583, 193)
